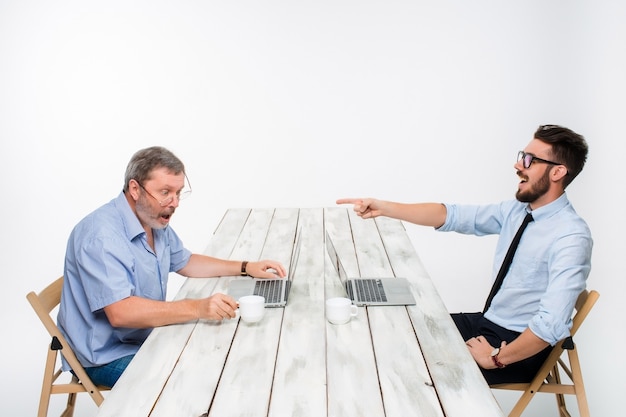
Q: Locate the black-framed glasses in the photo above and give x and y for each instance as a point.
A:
(528, 158)
(169, 196)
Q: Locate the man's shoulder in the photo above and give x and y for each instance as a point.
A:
(105, 220)
(564, 223)
(562, 211)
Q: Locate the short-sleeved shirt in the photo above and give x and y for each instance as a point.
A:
(549, 269)
(108, 259)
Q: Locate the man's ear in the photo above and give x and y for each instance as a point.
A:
(558, 172)
(133, 189)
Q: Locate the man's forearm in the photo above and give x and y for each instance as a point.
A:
(140, 313)
(524, 346)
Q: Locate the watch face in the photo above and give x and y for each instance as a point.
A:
(495, 351)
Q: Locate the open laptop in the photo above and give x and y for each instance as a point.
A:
(371, 291)
(275, 290)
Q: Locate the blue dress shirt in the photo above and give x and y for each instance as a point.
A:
(108, 259)
(549, 269)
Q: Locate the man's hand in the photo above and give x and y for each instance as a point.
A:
(217, 307)
(266, 269)
(481, 351)
(366, 208)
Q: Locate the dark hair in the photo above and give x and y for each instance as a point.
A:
(568, 147)
(146, 160)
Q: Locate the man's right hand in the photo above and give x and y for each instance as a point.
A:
(366, 208)
(217, 307)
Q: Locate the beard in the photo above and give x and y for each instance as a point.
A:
(149, 217)
(536, 190)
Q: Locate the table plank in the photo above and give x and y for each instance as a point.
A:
(404, 378)
(299, 387)
(192, 384)
(353, 386)
(227, 233)
(246, 380)
(190, 388)
(460, 386)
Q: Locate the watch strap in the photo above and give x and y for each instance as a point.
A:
(497, 362)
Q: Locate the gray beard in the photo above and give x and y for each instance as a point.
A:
(146, 215)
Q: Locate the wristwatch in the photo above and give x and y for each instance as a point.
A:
(244, 272)
(494, 357)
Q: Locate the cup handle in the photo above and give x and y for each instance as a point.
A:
(353, 310)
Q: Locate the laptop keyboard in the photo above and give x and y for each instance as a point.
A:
(370, 290)
(270, 289)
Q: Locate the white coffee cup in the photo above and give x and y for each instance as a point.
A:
(251, 308)
(340, 310)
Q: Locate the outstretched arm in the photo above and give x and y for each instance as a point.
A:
(424, 214)
(202, 266)
(138, 312)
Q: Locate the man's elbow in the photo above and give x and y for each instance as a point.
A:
(118, 315)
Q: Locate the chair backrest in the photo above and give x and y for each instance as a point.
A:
(43, 304)
(46, 301)
(548, 377)
(584, 304)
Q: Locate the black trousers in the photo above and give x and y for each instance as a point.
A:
(475, 324)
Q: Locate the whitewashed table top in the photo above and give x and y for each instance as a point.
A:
(388, 361)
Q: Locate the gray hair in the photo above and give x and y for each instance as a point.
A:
(146, 160)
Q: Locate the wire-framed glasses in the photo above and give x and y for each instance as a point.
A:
(168, 196)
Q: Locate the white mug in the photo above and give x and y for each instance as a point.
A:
(340, 310)
(251, 308)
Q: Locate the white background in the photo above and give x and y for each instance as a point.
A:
(298, 103)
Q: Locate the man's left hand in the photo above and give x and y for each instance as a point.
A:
(266, 269)
(481, 350)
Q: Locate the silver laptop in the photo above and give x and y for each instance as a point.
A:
(371, 291)
(275, 290)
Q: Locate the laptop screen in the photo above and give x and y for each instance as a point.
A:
(334, 258)
(294, 256)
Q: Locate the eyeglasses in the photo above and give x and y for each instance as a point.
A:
(168, 196)
(528, 158)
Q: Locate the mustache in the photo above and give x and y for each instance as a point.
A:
(168, 212)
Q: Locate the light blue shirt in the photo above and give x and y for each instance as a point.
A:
(549, 269)
(108, 259)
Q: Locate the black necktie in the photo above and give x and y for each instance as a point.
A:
(507, 260)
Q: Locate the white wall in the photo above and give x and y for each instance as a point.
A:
(277, 103)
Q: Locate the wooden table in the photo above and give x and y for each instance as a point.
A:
(388, 361)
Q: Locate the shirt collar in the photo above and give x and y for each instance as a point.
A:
(552, 208)
(131, 223)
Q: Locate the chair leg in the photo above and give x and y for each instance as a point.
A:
(48, 380)
(521, 404)
(71, 401)
(44, 403)
(71, 404)
(577, 379)
(560, 398)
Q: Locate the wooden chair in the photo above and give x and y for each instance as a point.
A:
(548, 379)
(43, 304)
